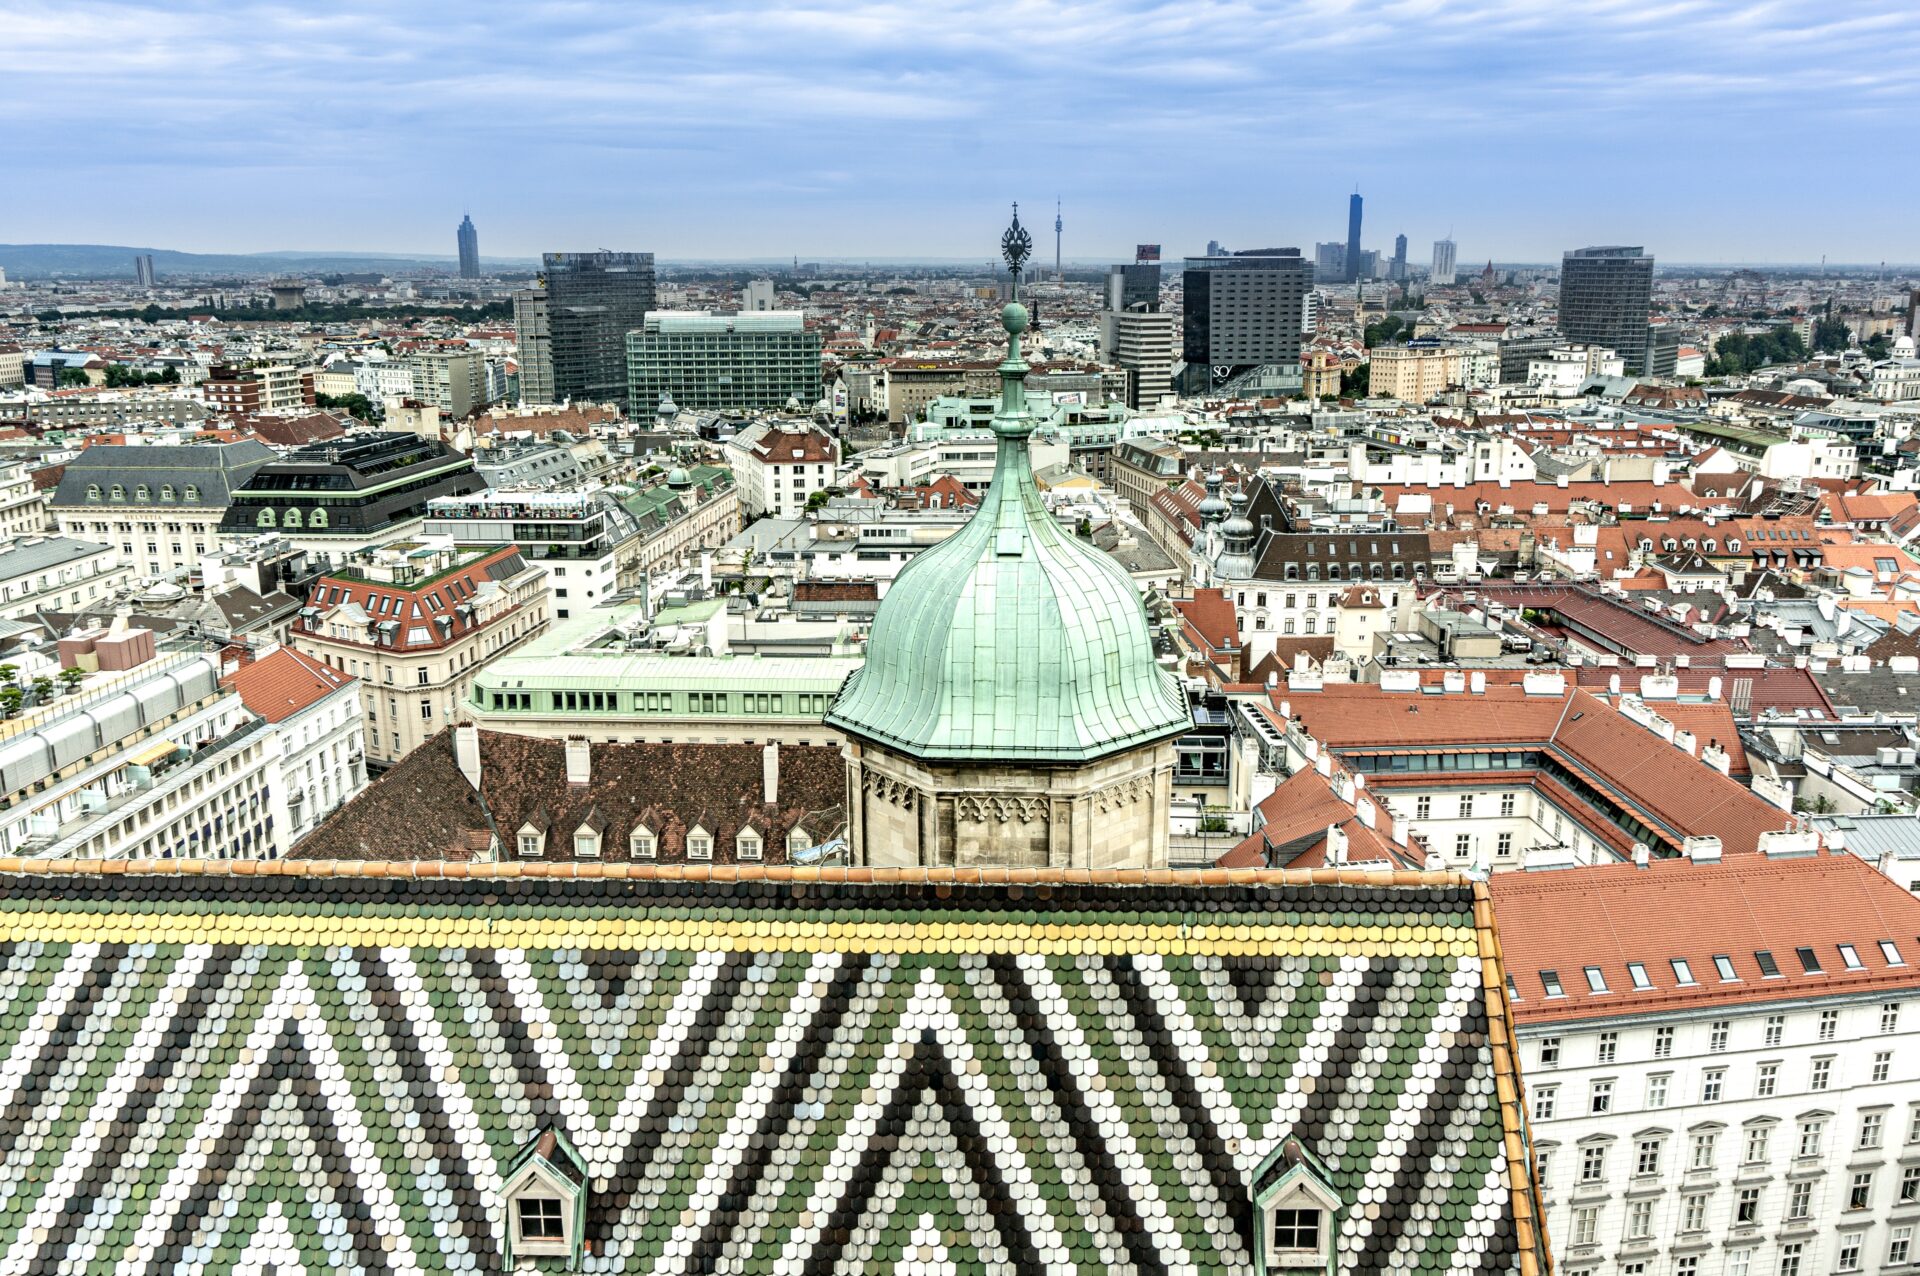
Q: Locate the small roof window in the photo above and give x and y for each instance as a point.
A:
(1768, 966)
(1809, 960)
(1638, 972)
(1550, 980)
(1891, 951)
(1723, 966)
(1851, 956)
(1596, 979)
(1682, 971)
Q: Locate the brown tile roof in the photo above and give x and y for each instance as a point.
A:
(668, 788)
(1566, 920)
(1295, 818)
(427, 613)
(795, 447)
(282, 684)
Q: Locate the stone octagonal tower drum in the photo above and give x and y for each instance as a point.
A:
(1010, 710)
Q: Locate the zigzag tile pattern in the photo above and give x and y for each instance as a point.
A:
(244, 1076)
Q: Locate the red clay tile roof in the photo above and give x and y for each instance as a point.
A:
(1565, 920)
(1210, 614)
(795, 447)
(1295, 818)
(425, 616)
(282, 684)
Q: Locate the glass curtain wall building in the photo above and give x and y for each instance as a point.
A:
(573, 327)
(722, 362)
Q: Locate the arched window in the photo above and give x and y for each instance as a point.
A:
(93, 491)
(193, 492)
(119, 494)
(264, 518)
(316, 518)
(166, 491)
(141, 493)
(290, 519)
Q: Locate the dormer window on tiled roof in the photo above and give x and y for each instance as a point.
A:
(1550, 980)
(699, 844)
(1723, 966)
(1682, 972)
(1637, 971)
(1850, 956)
(1890, 952)
(1809, 960)
(1768, 966)
(642, 844)
(1596, 979)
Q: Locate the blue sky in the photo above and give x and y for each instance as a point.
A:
(1707, 132)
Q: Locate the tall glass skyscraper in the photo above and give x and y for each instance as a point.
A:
(469, 249)
(1243, 312)
(1353, 236)
(1606, 296)
(573, 327)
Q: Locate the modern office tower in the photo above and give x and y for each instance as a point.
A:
(1329, 261)
(573, 327)
(758, 295)
(1143, 342)
(1353, 236)
(1913, 310)
(1369, 264)
(1399, 268)
(744, 361)
(1442, 274)
(1243, 312)
(469, 249)
(1606, 295)
(1214, 249)
(1057, 226)
(1133, 286)
(143, 270)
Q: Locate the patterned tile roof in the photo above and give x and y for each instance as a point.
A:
(306, 1068)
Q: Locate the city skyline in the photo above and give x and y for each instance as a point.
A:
(693, 112)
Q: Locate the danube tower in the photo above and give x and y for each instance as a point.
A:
(1057, 276)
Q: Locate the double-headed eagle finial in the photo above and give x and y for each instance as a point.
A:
(1016, 246)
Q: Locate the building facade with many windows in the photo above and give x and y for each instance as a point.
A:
(1721, 1064)
(160, 505)
(722, 362)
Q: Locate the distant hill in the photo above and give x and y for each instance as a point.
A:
(113, 261)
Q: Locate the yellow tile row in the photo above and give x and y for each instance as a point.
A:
(730, 936)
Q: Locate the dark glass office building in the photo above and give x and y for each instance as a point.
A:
(1242, 312)
(1606, 295)
(469, 239)
(573, 327)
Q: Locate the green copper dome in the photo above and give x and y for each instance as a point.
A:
(1012, 639)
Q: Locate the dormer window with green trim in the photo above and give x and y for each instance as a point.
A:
(264, 518)
(1295, 1210)
(544, 1194)
(291, 518)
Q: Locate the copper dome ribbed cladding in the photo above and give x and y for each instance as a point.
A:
(1012, 639)
(219, 1075)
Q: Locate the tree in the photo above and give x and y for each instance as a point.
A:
(1879, 346)
(9, 673)
(11, 699)
(42, 689)
(73, 376)
(73, 676)
(1830, 336)
(1740, 352)
(355, 405)
(1354, 384)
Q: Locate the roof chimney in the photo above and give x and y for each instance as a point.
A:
(770, 773)
(466, 752)
(579, 760)
(1641, 855)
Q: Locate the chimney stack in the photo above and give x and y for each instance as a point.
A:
(579, 760)
(770, 774)
(466, 752)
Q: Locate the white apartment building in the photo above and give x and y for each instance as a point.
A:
(382, 381)
(969, 458)
(1721, 1062)
(56, 573)
(23, 507)
(1566, 368)
(160, 505)
(780, 466)
(156, 762)
(315, 711)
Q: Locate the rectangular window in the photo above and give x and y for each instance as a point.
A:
(1600, 1098)
(1688, 1266)
(1890, 1017)
(1503, 846)
(1790, 1258)
(1586, 1225)
(1766, 1080)
(1682, 973)
(1717, 1036)
(1849, 1260)
(1740, 1262)
(1422, 807)
(1811, 1131)
(1860, 1190)
(540, 1218)
(1873, 1129)
(1899, 1243)
(1800, 1202)
(1463, 848)
(1882, 1065)
(1712, 1083)
(1700, 1155)
(1640, 1221)
(1596, 979)
(1759, 1137)
(1545, 1100)
(1809, 960)
(1768, 966)
(1746, 1207)
(1657, 1090)
(1723, 966)
(1606, 1047)
(1637, 972)
(1693, 1212)
(1910, 1185)
(1593, 1164)
(1663, 1043)
(1549, 1052)
(1829, 1024)
(1913, 1125)
(1506, 804)
(1822, 1075)
(1890, 953)
(1850, 957)
(1550, 980)
(1776, 1029)
(1646, 1156)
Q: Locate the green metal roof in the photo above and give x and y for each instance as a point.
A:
(1012, 639)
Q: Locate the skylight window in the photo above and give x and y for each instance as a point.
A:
(1596, 979)
(1639, 974)
(1723, 966)
(1809, 960)
(1851, 957)
(1891, 952)
(1550, 980)
(1768, 966)
(1682, 972)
